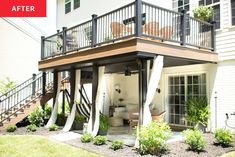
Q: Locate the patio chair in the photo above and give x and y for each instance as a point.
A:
(158, 117)
(119, 29)
(166, 32)
(151, 28)
(133, 118)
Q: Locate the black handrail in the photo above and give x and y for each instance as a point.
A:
(157, 23)
(15, 99)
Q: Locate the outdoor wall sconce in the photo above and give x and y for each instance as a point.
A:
(117, 88)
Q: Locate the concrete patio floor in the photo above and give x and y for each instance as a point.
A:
(128, 137)
(114, 133)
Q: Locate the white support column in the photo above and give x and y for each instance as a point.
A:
(71, 116)
(54, 113)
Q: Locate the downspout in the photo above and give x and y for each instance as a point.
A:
(215, 109)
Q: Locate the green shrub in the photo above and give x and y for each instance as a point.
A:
(152, 138)
(116, 144)
(85, 138)
(61, 119)
(224, 137)
(47, 111)
(197, 111)
(53, 127)
(37, 117)
(195, 139)
(104, 122)
(79, 118)
(99, 140)
(31, 127)
(11, 128)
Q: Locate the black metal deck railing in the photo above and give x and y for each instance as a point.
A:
(138, 19)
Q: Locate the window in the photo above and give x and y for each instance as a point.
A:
(76, 4)
(215, 4)
(233, 11)
(178, 6)
(67, 6)
(181, 88)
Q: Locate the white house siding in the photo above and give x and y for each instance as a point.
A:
(225, 43)
(222, 81)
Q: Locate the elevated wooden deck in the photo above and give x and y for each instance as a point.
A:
(128, 50)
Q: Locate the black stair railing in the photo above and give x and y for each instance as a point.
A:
(15, 99)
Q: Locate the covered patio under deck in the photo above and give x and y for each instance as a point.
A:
(136, 62)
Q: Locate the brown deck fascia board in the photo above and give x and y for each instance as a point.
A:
(129, 46)
(160, 48)
(118, 48)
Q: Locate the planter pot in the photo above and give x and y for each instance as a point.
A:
(78, 125)
(102, 132)
(45, 121)
(61, 121)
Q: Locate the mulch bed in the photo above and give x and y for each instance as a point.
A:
(40, 131)
(176, 149)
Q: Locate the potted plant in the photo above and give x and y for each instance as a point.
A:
(104, 125)
(78, 122)
(61, 119)
(197, 112)
(203, 13)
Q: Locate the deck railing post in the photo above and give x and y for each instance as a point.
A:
(42, 47)
(64, 39)
(213, 35)
(43, 83)
(183, 27)
(94, 31)
(34, 85)
(138, 16)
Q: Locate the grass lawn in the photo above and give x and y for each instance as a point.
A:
(37, 146)
(230, 154)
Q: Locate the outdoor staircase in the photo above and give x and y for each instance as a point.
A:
(19, 102)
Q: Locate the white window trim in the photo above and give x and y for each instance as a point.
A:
(78, 7)
(71, 9)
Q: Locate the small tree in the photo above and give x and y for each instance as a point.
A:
(197, 111)
(6, 85)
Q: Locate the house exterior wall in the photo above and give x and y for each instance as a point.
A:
(19, 53)
(225, 36)
(89, 7)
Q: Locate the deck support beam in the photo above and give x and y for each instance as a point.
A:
(142, 87)
(94, 93)
(55, 85)
(63, 102)
(72, 86)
